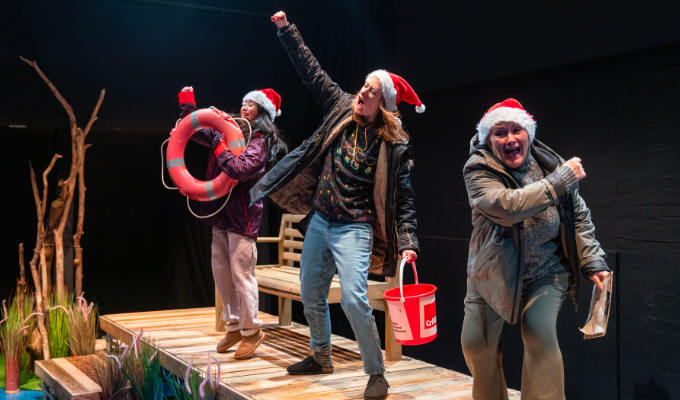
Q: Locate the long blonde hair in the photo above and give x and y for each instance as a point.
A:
(388, 124)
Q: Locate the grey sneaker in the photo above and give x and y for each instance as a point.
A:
(376, 388)
(308, 366)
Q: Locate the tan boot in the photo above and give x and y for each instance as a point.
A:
(230, 339)
(249, 344)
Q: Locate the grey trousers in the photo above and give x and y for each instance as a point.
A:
(233, 265)
(542, 366)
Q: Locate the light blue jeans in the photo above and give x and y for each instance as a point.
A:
(346, 246)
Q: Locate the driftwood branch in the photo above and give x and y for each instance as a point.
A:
(40, 284)
(94, 117)
(22, 286)
(55, 91)
(67, 186)
(78, 250)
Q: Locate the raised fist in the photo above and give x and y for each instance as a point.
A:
(186, 95)
(280, 19)
(575, 164)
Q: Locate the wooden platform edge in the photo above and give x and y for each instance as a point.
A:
(174, 364)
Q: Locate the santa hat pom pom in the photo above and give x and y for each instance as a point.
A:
(420, 109)
(278, 112)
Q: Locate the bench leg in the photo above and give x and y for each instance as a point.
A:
(285, 311)
(219, 310)
(392, 347)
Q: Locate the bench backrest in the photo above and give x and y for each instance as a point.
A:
(290, 247)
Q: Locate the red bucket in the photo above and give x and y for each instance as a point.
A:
(412, 310)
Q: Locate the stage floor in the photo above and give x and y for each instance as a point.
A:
(188, 335)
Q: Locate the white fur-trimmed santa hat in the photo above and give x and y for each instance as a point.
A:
(268, 100)
(509, 110)
(395, 89)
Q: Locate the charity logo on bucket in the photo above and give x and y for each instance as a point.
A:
(428, 317)
(400, 325)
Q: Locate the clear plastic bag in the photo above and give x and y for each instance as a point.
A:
(600, 304)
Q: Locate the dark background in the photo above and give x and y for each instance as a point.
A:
(601, 79)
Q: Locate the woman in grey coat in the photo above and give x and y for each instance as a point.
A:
(532, 235)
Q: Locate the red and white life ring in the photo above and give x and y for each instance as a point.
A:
(180, 136)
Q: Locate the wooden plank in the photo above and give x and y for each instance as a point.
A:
(292, 296)
(285, 311)
(287, 255)
(66, 380)
(292, 233)
(293, 244)
(219, 311)
(264, 376)
(268, 239)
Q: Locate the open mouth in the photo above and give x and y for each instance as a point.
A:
(512, 152)
(360, 101)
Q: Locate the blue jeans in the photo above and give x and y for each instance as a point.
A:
(346, 246)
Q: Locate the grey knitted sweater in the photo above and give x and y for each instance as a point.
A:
(541, 232)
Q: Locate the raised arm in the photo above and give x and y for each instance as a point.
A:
(507, 206)
(325, 91)
(187, 105)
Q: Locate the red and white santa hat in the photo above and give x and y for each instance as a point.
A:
(508, 110)
(268, 100)
(395, 89)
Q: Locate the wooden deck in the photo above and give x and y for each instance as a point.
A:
(189, 335)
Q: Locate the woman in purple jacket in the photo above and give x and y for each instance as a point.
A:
(236, 226)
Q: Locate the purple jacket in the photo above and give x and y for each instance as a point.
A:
(247, 168)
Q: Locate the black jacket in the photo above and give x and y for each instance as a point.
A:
(291, 183)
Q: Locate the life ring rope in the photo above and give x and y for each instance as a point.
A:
(180, 161)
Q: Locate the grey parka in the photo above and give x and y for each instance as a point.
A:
(499, 207)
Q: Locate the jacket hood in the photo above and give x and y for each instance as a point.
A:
(474, 142)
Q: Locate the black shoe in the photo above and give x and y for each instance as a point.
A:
(308, 366)
(376, 388)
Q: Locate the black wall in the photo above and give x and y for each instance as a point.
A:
(616, 113)
(601, 80)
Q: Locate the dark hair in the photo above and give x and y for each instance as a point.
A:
(276, 146)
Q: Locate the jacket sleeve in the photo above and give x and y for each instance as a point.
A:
(590, 253)
(204, 137)
(325, 91)
(249, 165)
(507, 206)
(406, 206)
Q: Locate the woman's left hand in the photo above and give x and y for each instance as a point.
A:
(409, 255)
(598, 278)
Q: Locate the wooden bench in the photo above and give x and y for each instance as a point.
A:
(283, 280)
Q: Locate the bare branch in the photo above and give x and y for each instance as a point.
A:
(94, 112)
(57, 94)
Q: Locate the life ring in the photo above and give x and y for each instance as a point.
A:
(180, 136)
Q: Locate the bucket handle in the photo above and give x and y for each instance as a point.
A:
(401, 276)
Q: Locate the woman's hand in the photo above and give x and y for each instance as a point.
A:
(280, 19)
(575, 164)
(186, 95)
(409, 255)
(598, 278)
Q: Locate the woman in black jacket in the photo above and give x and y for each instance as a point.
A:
(353, 176)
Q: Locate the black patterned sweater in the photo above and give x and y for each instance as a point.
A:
(344, 191)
